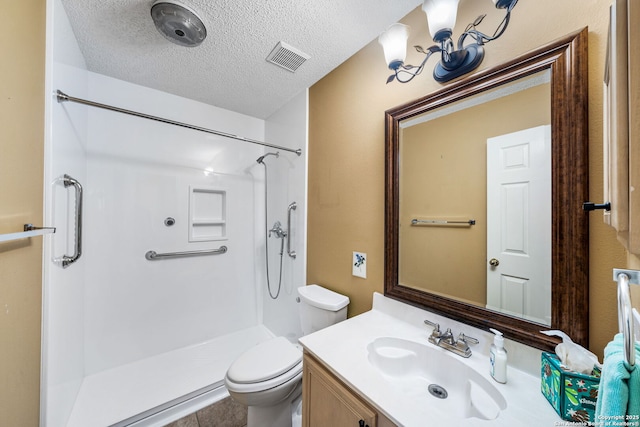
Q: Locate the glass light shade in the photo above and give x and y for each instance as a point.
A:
(441, 16)
(394, 44)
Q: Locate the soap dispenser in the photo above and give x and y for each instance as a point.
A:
(498, 357)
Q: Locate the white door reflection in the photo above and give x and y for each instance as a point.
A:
(519, 224)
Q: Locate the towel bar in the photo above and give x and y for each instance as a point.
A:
(29, 231)
(625, 278)
(416, 221)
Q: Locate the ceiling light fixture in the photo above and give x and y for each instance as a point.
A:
(456, 60)
(178, 23)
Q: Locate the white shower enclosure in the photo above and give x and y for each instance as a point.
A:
(132, 341)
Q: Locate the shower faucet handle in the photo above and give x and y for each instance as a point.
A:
(277, 228)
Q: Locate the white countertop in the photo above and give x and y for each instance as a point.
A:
(343, 348)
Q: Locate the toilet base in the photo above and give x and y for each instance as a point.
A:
(279, 415)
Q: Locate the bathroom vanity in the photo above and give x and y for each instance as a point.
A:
(328, 401)
(374, 369)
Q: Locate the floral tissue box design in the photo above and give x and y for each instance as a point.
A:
(573, 395)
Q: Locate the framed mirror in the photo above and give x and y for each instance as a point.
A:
(451, 225)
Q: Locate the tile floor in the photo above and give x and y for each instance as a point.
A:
(225, 413)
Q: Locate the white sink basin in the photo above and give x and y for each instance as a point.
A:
(411, 368)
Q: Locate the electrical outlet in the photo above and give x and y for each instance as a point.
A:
(359, 264)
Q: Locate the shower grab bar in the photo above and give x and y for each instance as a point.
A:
(624, 278)
(292, 207)
(29, 231)
(67, 260)
(441, 222)
(62, 97)
(154, 256)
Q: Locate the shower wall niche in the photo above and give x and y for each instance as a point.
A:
(207, 214)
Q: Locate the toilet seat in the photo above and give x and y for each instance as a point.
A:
(267, 365)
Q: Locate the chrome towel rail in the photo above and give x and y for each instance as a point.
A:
(62, 97)
(67, 260)
(624, 278)
(154, 256)
(442, 222)
(29, 231)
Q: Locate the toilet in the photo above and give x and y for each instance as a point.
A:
(268, 377)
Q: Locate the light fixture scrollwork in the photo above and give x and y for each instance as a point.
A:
(456, 59)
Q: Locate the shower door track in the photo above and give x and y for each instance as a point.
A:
(62, 97)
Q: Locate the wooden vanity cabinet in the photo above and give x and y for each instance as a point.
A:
(327, 401)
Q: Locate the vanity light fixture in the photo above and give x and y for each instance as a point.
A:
(456, 60)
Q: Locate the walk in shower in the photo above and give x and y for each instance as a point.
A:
(132, 338)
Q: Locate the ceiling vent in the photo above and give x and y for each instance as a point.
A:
(287, 57)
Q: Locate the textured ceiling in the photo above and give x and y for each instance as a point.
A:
(229, 70)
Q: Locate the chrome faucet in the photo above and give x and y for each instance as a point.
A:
(446, 338)
(459, 346)
(277, 229)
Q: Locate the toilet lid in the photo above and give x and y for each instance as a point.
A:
(265, 361)
(322, 298)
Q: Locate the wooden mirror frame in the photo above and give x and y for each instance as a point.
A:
(567, 61)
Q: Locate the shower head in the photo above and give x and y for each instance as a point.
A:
(261, 158)
(178, 23)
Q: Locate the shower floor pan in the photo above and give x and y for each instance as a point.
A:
(162, 388)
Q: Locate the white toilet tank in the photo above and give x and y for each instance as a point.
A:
(319, 307)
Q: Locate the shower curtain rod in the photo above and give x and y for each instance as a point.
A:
(62, 97)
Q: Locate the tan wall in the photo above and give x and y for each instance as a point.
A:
(443, 176)
(346, 152)
(21, 166)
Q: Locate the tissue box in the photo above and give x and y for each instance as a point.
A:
(573, 395)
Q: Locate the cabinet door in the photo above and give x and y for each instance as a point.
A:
(327, 402)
